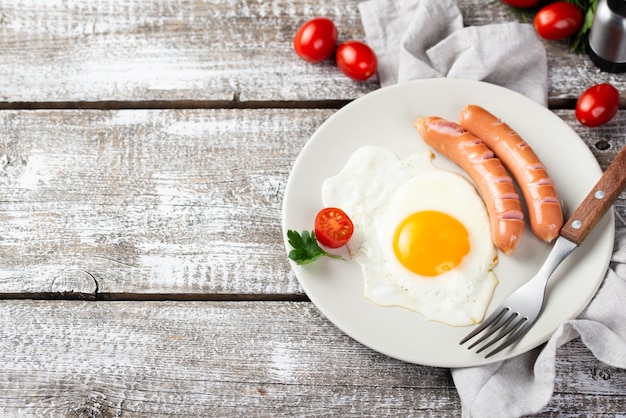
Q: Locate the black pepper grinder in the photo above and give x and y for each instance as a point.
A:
(607, 38)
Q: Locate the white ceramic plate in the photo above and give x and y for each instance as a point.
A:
(385, 118)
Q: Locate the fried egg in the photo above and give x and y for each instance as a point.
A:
(421, 235)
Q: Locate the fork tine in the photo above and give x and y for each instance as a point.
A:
(514, 322)
(491, 319)
(512, 339)
(499, 329)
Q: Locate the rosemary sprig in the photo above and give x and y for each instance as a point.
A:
(588, 7)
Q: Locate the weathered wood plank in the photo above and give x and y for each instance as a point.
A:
(203, 51)
(160, 202)
(211, 50)
(148, 201)
(72, 358)
(585, 386)
(200, 359)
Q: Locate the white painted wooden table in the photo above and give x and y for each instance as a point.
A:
(145, 151)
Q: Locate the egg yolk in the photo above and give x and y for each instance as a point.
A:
(430, 243)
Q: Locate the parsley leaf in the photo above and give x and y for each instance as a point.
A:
(305, 247)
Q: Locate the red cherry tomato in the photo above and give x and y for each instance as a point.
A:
(597, 105)
(316, 40)
(333, 228)
(521, 3)
(356, 60)
(558, 20)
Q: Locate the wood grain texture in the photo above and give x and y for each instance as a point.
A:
(598, 201)
(211, 50)
(207, 51)
(71, 358)
(148, 201)
(160, 202)
(200, 359)
(78, 186)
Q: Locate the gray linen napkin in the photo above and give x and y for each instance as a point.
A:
(524, 384)
(426, 39)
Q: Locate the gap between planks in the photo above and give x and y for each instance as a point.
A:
(175, 104)
(158, 297)
(567, 104)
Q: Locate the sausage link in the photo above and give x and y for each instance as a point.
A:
(491, 178)
(544, 207)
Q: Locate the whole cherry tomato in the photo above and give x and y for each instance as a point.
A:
(597, 105)
(316, 39)
(356, 60)
(521, 3)
(558, 20)
(333, 228)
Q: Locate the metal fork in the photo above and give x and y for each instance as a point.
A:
(516, 314)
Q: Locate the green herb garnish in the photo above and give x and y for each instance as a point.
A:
(578, 42)
(305, 248)
(588, 8)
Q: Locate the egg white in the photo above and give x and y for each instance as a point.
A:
(377, 191)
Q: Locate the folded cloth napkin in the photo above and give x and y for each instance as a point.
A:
(524, 384)
(425, 39)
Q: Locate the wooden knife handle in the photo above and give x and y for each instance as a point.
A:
(598, 201)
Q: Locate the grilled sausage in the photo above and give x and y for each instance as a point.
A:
(491, 178)
(544, 207)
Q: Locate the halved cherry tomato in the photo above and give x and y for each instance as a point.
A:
(333, 228)
(316, 39)
(558, 20)
(521, 3)
(597, 105)
(356, 60)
